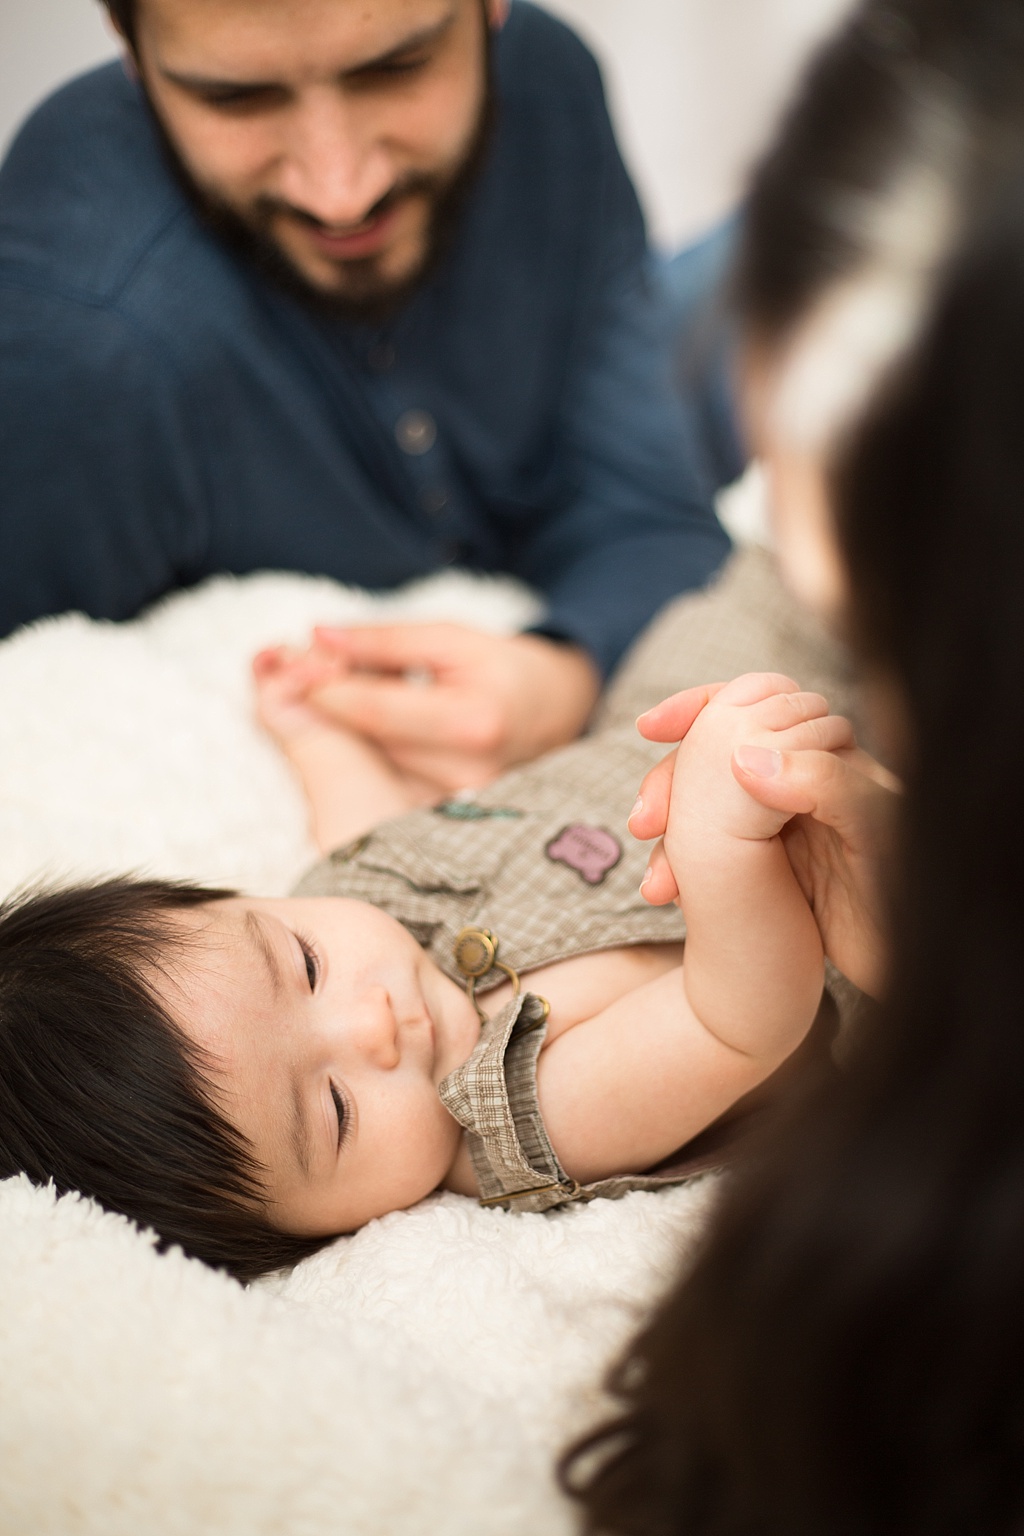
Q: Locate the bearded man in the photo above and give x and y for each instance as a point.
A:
(357, 288)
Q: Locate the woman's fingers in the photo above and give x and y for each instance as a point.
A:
(757, 687)
(778, 699)
(830, 786)
(658, 886)
(649, 816)
(671, 719)
(873, 770)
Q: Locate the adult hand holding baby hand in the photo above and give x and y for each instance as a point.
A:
(453, 705)
(834, 797)
(840, 802)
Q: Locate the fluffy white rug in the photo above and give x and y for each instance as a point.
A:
(417, 1377)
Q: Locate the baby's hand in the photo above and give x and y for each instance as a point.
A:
(284, 678)
(693, 798)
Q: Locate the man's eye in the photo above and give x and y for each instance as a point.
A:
(312, 964)
(394, 67)
(244, 99)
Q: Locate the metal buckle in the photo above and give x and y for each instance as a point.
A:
(476, 955)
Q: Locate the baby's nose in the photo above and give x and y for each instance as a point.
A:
(375, 1029)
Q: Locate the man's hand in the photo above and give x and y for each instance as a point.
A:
(453, 705)
(839, 801)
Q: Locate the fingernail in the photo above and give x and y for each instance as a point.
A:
(759, 762)
(647, 878)
(637, 808)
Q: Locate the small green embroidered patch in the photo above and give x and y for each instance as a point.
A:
(468, 810)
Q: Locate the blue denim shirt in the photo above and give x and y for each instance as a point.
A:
(167, 413)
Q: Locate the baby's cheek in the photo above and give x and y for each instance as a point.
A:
(428, 1145)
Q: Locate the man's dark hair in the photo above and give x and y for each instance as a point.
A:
(122, 13)
(847, 1353)
(101, 1092)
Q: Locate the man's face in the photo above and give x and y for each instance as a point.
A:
(331, 132)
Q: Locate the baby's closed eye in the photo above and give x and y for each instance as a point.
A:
(340, 1111)
(311, 959)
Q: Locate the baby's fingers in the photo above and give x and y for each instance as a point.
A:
(659, 883)
(830, 733)
(290, 674)
(266, 662)
(783, 710)
(649, 816)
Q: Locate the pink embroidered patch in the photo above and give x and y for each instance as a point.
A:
(590, 851)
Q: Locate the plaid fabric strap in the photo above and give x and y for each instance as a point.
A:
(493, 1096)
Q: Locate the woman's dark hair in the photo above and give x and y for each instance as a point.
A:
(846, 1355)
(101, 1092)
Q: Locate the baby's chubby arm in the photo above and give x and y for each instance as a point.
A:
(754, 960)
(350, 786)
(625, 1088)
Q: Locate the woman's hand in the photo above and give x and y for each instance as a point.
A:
(839, 802)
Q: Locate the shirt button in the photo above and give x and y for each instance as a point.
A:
(416, 432)
(381, 357)
(434, 500)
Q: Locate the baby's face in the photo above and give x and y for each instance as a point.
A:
(327, 1030)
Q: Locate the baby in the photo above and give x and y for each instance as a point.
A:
(251, 1077)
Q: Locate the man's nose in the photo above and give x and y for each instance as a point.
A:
(374, 1030)
(334, 166)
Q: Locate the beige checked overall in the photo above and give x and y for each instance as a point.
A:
(540, 866)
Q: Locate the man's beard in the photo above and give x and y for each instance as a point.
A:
(368, 298)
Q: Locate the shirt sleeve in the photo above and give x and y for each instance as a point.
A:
(638, 525)
(104, 507)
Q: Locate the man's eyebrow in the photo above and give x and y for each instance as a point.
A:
(410, 44)
(260, 941)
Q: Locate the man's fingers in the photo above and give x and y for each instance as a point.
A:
(391, 647)
(393, 713)
(672, 718)
(649, 816)
(659, 883)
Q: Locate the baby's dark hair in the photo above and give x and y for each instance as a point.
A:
(102, 1092)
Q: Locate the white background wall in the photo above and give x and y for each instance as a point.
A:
(695, 84)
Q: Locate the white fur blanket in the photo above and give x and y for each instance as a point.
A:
(417, 1377)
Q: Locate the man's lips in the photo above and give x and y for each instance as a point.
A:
(348, 244)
